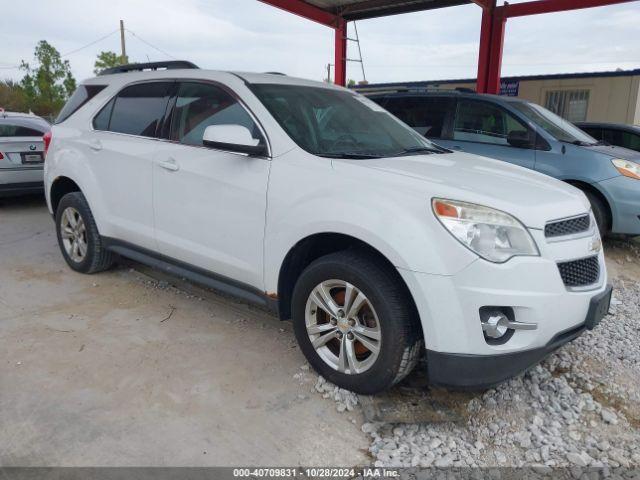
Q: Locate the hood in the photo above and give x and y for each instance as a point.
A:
(531, 197)
(615, 152)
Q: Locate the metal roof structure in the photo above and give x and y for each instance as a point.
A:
(337, 13)
(362, 9)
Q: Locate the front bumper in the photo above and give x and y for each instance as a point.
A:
(483, 371)
(449, 308)
(623, 195)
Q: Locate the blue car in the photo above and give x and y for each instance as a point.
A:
(526, 134)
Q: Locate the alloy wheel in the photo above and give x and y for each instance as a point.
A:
(343, 327)
(74, 234)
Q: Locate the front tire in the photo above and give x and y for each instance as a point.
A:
(78, 236)
(600, 212)
(354, 322)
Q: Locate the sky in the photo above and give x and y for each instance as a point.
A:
(247, 35)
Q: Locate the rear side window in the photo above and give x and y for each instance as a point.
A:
(9, 130)
(101, 121)
(427, 116)
(82, 95)
(200, 105)
(136, 110)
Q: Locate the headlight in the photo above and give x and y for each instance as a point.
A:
(627, 168)
(494, 235)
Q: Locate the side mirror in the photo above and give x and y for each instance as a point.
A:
(234, 138)
(520, 139)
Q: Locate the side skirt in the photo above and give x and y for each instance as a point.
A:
(192, 273)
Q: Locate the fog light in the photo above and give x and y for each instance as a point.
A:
(496, 326)
(499, 324)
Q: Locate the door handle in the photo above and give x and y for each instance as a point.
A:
(457, 147)
(95, 145)
(170, 165)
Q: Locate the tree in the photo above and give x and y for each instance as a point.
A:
(108, 60)
(49, 82)
(12, 97)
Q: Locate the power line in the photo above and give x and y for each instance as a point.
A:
(150, 45)
(16, 67)
(89, 44)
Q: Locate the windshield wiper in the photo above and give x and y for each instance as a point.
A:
(417, 150)
(354, 155)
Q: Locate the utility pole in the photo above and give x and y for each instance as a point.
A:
(123, 49)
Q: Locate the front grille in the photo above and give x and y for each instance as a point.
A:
(580, 273)
(570, 226)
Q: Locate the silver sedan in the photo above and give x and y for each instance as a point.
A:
(21, 153)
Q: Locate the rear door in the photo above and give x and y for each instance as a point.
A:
(483, 128)
(210, 204)
(121, 151)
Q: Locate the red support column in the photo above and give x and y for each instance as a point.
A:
(341, 53)
(485, 47)
(495, 53)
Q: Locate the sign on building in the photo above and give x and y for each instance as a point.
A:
(510, 88)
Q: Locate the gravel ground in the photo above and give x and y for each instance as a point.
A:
(579, 408)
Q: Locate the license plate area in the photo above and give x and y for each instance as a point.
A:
(32, 158)
(598, 308)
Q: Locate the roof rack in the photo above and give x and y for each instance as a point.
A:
(139, 67)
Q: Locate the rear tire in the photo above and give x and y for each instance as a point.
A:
(353, 358)
(78, 236)
(600, 212)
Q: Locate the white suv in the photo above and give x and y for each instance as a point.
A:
(313, 201)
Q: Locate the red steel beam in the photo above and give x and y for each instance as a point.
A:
(485, 46)
(340, 75)
(495, 52)
(537, 7)
(493, 28)
(306, 10)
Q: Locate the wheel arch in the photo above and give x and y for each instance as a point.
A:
(581, 185)
(61, 186)
(317, 245)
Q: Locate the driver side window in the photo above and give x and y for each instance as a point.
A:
(199, 105)
(483, 122)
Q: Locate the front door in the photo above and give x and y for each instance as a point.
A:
(210, 205)
(486, 129)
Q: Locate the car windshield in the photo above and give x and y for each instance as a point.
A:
(337, 123)
(553, 124)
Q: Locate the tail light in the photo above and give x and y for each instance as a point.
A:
(1, 156)
(46, 138)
